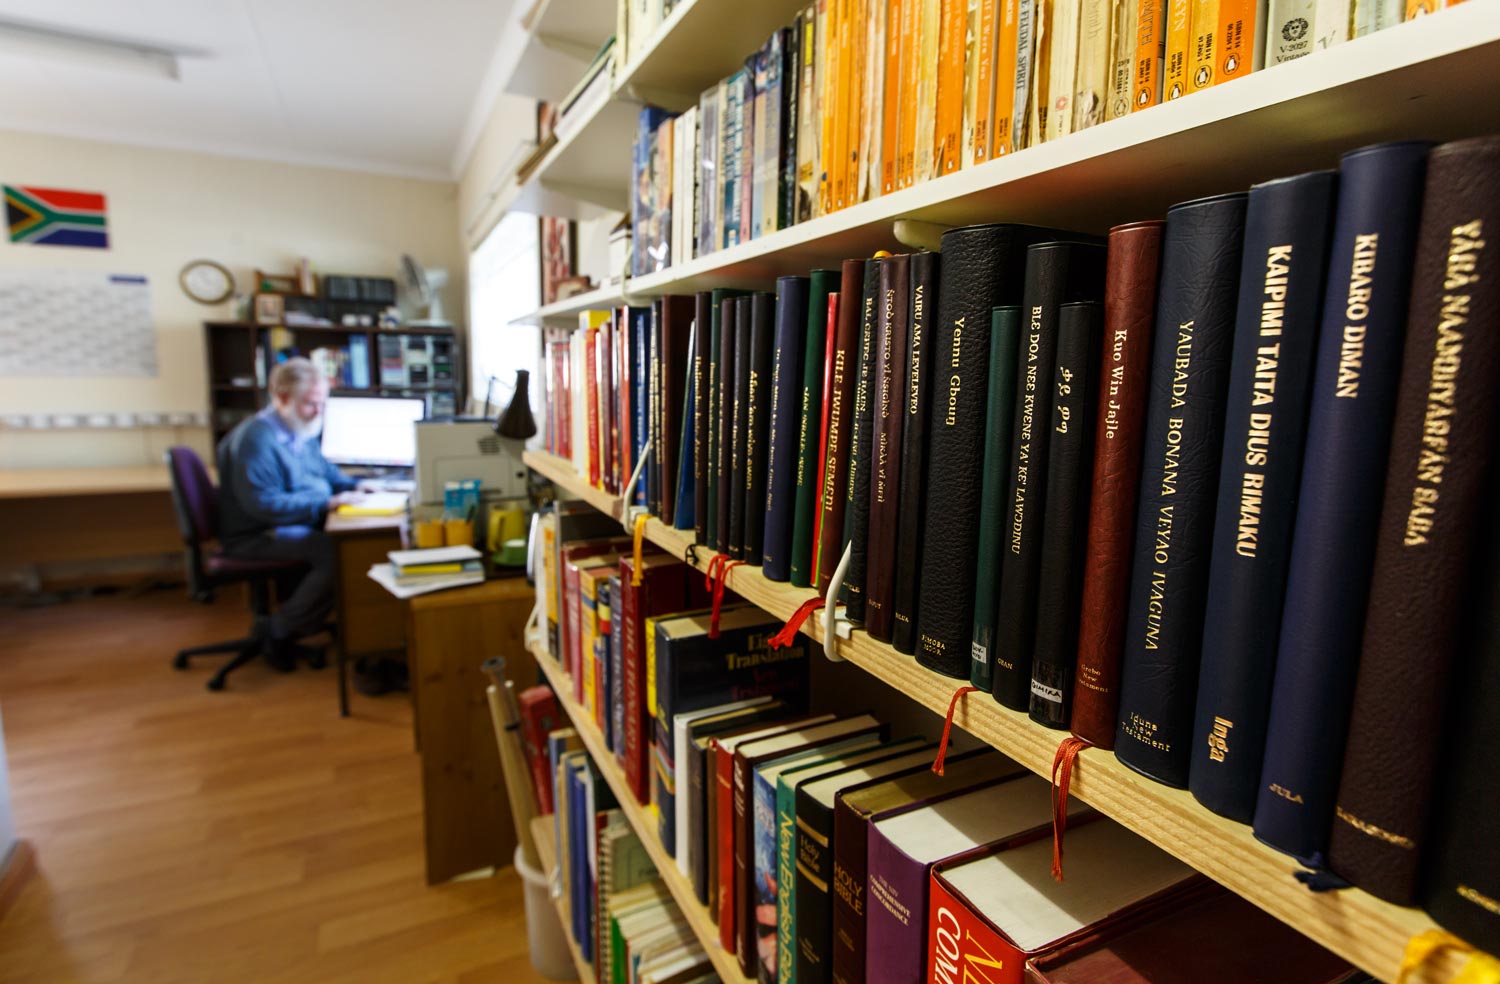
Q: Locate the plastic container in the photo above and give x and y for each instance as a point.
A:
(544, 929)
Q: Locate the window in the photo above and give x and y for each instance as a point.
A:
(505, 284)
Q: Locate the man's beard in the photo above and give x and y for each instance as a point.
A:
(304, 429)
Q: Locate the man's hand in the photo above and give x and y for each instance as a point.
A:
(344, 499)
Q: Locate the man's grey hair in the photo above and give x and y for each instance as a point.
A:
(294, 377)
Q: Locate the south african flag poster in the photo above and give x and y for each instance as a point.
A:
(52, 217)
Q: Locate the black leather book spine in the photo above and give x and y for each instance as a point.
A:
(725, 483)
(983, 268)
(1463, 887)
(809, 431)
(758, 421)
(857, 502)
(1184, 435)
(701, 338)
(739, 445)
(885, 443)
(786, 422)
(652, 475)
(1338, 504)
(1265, 422)
(1056, 273)
(912, 493)
(1000, 403)
(1438, 488)
(1065, 524)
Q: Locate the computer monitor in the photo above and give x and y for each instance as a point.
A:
(367, 430)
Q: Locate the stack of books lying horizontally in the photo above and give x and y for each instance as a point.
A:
(414, 572)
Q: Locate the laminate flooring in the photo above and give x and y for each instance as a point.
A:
(248, 835)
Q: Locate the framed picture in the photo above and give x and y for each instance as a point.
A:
(269, 309)
(557, 255)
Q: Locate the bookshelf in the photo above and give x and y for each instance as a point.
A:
(585, 165)
(545, 836)
(641, 819)
(1366, 931)
(566, 310)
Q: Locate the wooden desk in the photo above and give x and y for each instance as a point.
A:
(59, 515)
(371, 621)
(466, 815)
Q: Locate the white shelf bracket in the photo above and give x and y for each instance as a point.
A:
(835, 625)
(628, 510)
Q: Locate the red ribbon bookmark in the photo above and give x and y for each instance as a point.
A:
(1067, 753)
(942, 752)
(714, 563)
(788, 633)
(724, 569)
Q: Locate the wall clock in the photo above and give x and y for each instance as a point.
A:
(207, 282)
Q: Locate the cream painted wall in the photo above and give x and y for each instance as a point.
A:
(512, 119)
(167, 208)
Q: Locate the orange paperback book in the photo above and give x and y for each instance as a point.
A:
(1203, 51)
(891, 111)
(1178, 55)
(1149, 51)
(1242, 38)
(950, 87)
(983, 49)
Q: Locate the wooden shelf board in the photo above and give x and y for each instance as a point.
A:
(592, 162)
(545, 836)
(584, 24)
(566, 310)
(699, 43)
(641, 819)
(1431, 78)
(1359, 927)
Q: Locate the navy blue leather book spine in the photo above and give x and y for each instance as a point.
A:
(684, 516)
(1361, 338)
(1184, 435)
(640, 397)
(1265, 422)
(912, 494)
(786, 424)
(739, 449)
(1056, 274)
(758, 420)
(728, 312)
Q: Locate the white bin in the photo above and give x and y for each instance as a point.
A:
(544, 929)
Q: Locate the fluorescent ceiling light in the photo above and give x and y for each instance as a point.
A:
(94, 51)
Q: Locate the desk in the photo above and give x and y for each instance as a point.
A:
(465, 812)
(371, 622)
(61, 515)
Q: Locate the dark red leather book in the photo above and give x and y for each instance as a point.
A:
(663, 589)
(1125, 371)
(889, 414)
(1437, 490)
(840, 409)
(831, 339)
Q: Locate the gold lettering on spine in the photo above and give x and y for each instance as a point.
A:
(830, 486)
(1263, 399)
(1464, 249)
(1356, 313)
(1161, 545)
(1218, 740)
(1113, 408)
(916, 348)
(1028, 423)
(955, 383)
(887, 387)
(751, 400)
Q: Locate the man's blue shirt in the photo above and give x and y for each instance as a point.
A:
(272, 480)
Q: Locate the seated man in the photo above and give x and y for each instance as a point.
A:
(275, 489)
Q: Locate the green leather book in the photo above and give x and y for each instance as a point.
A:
(822, 283)
(1005, 329)
(711, 438)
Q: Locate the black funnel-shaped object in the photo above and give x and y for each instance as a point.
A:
(517, 421)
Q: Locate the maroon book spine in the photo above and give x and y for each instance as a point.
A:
(671, 368)
(663, 590)
(1124, 377)
(840, 409)
(885, 454)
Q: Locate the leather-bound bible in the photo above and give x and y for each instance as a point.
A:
(1000, 403)
(912, 494)
(1131, 271)
(1184, 435)
(857, 495)
(1463, 886)
(708, 478)
(758, 421)
(844, 368)
(830, 340)
(1338, 504)
(782, 453)
(983, 268)
(1265, 423)
(702, 317)
(809, 414)
(1056, 273)
(728, 309)
(1069, 468)
(885, 448)
(672, 374)
(1436, 491)
(739, 444)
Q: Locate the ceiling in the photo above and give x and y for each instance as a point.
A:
(377, 85)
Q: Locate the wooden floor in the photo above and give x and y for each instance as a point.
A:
(250, 835)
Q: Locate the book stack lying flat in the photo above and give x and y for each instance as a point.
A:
(437, 567)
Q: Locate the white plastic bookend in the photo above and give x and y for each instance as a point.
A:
(919, 235)
(834, 624)
(628, 511)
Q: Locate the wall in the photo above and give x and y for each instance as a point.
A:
(169, 207)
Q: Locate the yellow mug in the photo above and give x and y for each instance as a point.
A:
(505, 524)
(459, 532)
(428, 533)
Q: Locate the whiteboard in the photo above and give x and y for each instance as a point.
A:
(75, 323)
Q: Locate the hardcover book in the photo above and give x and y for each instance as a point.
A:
(702, 363)
(1436, 492)
(839, 408)
(888, 386)
(1191, 350)
(983, 268)
(857, 494)
(1134, 259)
(912, 494)
(1270, 375)
(1005, 334)
(810, 413)
(724, 440)
(687, 726)
(758, 422)
(1056, 273)
(664, 588)
(783, 453)
(739, 442)
(1338, 503)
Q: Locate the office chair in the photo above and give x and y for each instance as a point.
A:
(196, 504)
